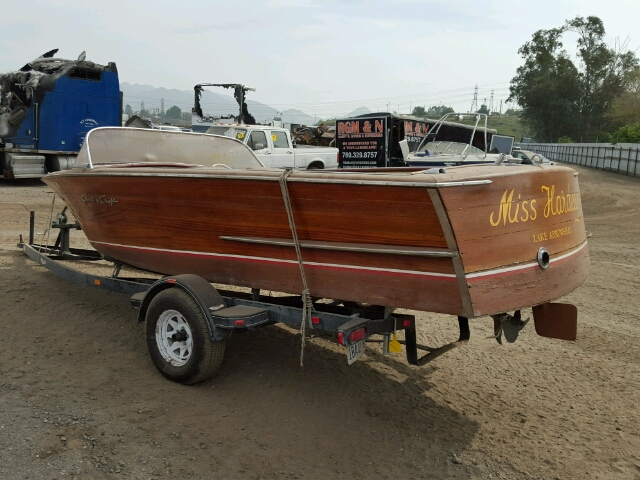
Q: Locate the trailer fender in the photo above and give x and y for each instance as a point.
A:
(205, 295)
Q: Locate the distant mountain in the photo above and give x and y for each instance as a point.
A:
(358, 111)
(296, 116)
(212, 102)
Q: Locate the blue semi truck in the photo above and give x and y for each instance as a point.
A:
(48, 107)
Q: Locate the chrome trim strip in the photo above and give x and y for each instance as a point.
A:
(346, 248)
(291, 179)
(86, 140)
(467, 183)
(452, 244)
(451, 276)
(498, 271)
(281, 260)
(171, 175)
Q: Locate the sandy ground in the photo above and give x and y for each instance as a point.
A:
(80, 398)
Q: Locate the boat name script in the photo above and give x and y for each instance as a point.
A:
(514, 210)
(99, 199)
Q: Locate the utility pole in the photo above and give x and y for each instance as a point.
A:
(500, 107)
(474, 102)
(491, 103)
(162, 107)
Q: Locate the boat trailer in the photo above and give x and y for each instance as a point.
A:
(188, 319)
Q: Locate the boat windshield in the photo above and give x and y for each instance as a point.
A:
(448, 148)
(230, 131)
(118, 145)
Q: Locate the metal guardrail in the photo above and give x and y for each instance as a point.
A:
(620, 158)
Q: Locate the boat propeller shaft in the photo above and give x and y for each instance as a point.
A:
(510, 325)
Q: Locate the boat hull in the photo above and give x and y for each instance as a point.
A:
(405, 240)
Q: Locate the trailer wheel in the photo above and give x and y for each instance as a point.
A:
(179, 340)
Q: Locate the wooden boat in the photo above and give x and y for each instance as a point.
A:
(468, 241)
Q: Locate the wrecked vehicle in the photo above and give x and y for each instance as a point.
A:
(48, 107)
(322, 135)
(201, 122)
(272, 145)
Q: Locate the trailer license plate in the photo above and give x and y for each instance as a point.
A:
(354, 351)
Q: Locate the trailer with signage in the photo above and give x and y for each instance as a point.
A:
(376, 139)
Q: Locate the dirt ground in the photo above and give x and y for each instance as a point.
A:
(80, 398)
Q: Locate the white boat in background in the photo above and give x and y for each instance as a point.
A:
(434, 152)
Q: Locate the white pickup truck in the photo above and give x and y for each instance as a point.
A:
(274, 147)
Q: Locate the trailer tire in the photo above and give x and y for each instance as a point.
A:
(179, 340)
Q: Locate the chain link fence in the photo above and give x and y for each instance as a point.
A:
(620, 158)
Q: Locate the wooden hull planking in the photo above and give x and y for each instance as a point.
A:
(406, 244)
(508, 226)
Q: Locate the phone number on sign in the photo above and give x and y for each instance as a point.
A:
(359, 154)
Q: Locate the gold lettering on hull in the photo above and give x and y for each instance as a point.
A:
(551, 234)
(99, 199)
(507, 212)
(513, 209)
(559, 204)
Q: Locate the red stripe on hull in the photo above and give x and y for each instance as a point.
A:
(524, 288)
(398, 289)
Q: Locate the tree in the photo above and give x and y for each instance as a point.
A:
(484, 109)
(439, 110)
(562, 98)
(626, 107)
(128, 110)
(605, 71)
(546, 86)
(173, 113)
(419, 111)
(626, 134)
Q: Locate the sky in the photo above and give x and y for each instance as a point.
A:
(325, 57)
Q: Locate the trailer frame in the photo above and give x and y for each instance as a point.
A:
(227, 311)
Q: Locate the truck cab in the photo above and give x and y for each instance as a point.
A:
(47, 109)
(275, 149)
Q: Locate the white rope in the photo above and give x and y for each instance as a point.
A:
(307, 304)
